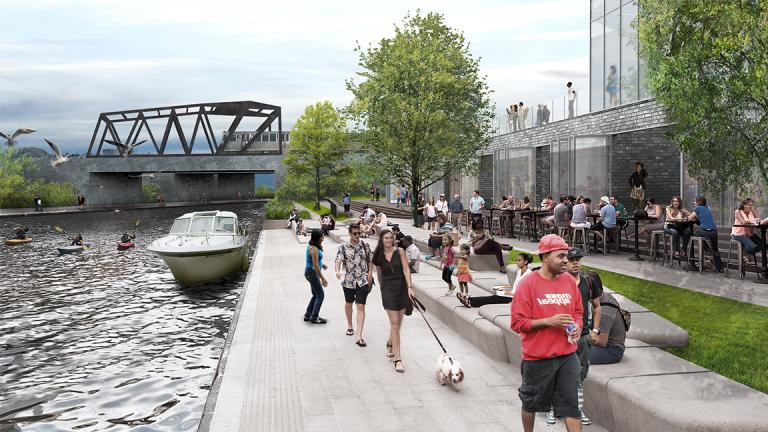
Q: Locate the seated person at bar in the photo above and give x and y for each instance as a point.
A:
(505, 218)
(751, 243)
(677, 225)
(607, 217)
(548, 204)
(707, 229)
(561, 218)
(622, 217)
(609, 346)
(580, 213)
(522, 262)
(654, 220)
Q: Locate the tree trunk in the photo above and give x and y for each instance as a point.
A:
(317, 187)
(415, 203)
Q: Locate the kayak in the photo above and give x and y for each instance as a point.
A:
(125, 246)
(63, 250)
(15, 242)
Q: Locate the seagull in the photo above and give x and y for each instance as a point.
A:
(125, 149)
(57, 154)
(10, 139)
(151, 175)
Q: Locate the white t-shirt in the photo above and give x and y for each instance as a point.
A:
(370, 213)
(412, 252)
(442, 206)
(382, 220)
(571, 94)
(519, 277)
(431, 211)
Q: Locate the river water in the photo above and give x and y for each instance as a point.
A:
(107, 339)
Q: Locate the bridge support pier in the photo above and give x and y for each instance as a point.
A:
(191, 187)
(114, 188)
(228, 186)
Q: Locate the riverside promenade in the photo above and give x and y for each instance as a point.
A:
(30, 211)
(279, 373)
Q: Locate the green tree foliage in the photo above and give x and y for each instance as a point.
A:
(17, 190)
(708, 66)
(150, 191)
(421, 103)
(315, 161)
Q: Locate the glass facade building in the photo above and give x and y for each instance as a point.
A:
(616, 70)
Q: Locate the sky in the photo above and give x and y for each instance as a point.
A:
(64, 62)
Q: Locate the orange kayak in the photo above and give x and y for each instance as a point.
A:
(16, 242)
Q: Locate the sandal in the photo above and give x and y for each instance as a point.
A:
(350, 332)
(390, 354)
(361, 343)
(400, 369)
(463, 299)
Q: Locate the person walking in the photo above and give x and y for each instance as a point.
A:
(394, 277)
(571, 93)
(354, 259)
(512, 118)
(397, 197)
(547, 314)
(372, 191)
(38, 203)
(456, 209)
(377, 192)
(346, 201)
(476, 205)
(313, 272)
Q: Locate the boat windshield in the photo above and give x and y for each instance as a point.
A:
(201, 225)
(224, 224)
(180, 226)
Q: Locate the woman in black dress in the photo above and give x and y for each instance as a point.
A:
(396, 290)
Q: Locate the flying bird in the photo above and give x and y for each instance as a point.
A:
(125, 149)
(59, 159)
(10, 139)
(150, 175)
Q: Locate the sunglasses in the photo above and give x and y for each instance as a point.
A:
(355, 233)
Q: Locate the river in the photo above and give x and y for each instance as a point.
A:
(107, 339)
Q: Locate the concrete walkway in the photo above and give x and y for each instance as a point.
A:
(743, 290)
(283, 374)
(16, 212)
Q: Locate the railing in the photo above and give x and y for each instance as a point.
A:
(536, 115)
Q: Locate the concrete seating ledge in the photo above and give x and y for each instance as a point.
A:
(649, 389)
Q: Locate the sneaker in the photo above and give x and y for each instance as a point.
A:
(319, 320)
(450, 291)
(427, 257)
(551, 417)
(585, 420)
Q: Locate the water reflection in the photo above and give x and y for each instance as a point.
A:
(107, 339)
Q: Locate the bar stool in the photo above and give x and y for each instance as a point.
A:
(657, 238)
(691, 256)
(583, 238)
(526, 226)
(613, 232)
(496, 221)
(669, 253)
(740, 253)
(563, 232)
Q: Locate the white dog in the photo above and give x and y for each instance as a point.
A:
(449, 370)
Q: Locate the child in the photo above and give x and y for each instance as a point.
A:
(447, 262)
(464, 275)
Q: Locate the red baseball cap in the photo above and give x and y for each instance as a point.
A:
(550, 243)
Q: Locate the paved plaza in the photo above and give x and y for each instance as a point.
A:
(284, 374)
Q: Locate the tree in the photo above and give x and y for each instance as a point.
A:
(421, 106)
(319, 143)
(708, 67)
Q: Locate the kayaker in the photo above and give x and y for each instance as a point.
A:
(127, 238)
(77, 240)
(21, 233)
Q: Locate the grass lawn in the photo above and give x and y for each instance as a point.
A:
(726, 336)
(340, 216)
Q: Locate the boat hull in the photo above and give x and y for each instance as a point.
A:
(16, 242)
(125, 246)
(193, 269)
(70, 249)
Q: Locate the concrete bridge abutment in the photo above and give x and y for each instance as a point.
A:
(114, 188)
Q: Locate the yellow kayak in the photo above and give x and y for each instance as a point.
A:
(16, 242)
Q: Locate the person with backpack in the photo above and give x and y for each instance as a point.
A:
(591, 288)
(614, 325)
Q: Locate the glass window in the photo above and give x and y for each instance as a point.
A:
(644, 91)
(612, 60)
(596, 67)
(561, 171)
(225, 224)
(611, 5)
(273, 137)
(597, 9)
(201, 225)
(629, 44)
(180, 226)
(521, 170)
(591, 167)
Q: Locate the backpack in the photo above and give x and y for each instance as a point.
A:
(625, 315)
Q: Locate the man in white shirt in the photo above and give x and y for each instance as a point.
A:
(442, 206)
(476, 205)
(412, 253)
(368, 213)
(571, 98)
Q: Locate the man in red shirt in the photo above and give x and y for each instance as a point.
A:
(547, 313)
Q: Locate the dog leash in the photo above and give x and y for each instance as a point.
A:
(419, 306)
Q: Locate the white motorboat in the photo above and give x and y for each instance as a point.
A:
(203, 246)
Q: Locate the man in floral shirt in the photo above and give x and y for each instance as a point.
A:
(354, 258)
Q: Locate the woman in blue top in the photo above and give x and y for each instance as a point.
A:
(313, 272)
